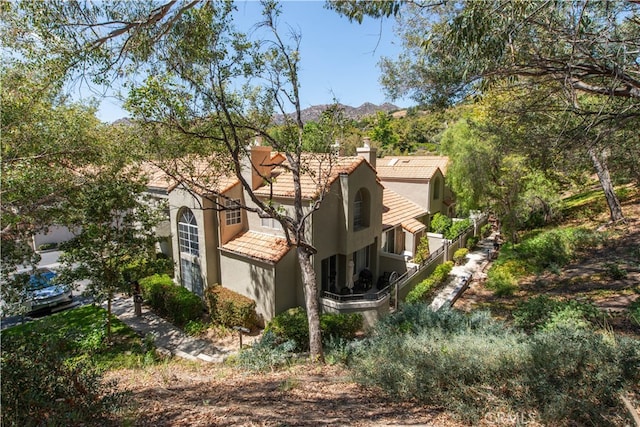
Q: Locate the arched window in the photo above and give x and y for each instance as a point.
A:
(361, 210)
(436, 188)
(190, 274)
(188, 233)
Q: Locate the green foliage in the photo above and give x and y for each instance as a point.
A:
(424, 288)
(52, 369)
(457, 227)
(440, 223)
(268, 354)
(422, 252)
(292, 325)
(614, 271)
(471, 365)
(502, 278)
(171, 301)
(544, 312)
(472, 242)
(460, 255)
(47, 246)
(229, 308)
(195, 328)
(539, 251)
(486, 230)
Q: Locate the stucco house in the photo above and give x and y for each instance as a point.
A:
(361, 231)
(420, 179)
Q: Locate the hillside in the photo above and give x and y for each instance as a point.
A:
(314, 112)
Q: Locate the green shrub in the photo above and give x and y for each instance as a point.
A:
(47, 246)
(543, 312)
(460, 255)
(422, 252)
(268, 354)
(292, 325)
(471, 365)
(229, 308)
(502, 278)
(440, 223)
(472, 242)
(171, 301)
(195, 328)
(47, 379)
(614, 271)
(340, 326)
(422, 289)
(456, 228)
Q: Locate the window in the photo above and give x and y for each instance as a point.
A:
(361, 210)
(389, 241)
(270, 223)
(188, 233)
(232, 212)
(189, 251)
(393, 241)
(360, 260)
(436, 188)
(329, 277)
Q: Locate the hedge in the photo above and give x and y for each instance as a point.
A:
(229, 308)
(168, 300)
(422, 289)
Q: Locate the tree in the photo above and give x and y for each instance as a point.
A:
(116, 223)
(45, 142)
(210, 89)
(484, 175)
(458, 49)
(194, 96)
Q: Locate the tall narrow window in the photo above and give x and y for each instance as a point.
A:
(329, 273)
(189, 246)
(436, 188)
(361, 210)
(232, 211)
(361, 260)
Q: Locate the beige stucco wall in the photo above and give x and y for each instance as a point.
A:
(206, 219)
(251, 278)
(332, 224)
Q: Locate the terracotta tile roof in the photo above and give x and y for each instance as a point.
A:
(411, 167)
(202, 175)
(264, 247)
(413, 226)
(398, 210)
(320, 170)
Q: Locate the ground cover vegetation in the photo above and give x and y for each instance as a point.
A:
(53, 369)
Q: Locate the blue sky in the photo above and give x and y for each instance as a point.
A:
(338, 58)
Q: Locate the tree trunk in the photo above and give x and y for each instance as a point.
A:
(600, 164)
(312, 306)
(109, 318)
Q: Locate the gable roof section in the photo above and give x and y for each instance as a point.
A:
(398, 210)
(200, 174)
(263, 247)
(411, 167)
(319, 171)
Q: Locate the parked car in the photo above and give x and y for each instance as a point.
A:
(43, 292)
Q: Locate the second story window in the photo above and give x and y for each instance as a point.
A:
(232, 212)
(361, 210)
(436, 188)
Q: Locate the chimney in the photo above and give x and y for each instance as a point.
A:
(367, 152)
(260, 165)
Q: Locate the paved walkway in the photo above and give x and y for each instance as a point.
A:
(461, 275)
(167, 337)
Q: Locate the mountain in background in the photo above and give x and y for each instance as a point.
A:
(313, 113)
